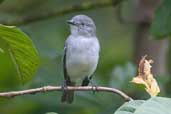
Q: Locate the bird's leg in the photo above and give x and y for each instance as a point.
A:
(88, 80)
(85, 81)
(64, 86)
(94, 86)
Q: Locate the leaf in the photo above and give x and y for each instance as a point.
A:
(146, 78)
(51, 113)
(1, 50)
(129, 107)
(161, 26)
(155, 105)
(21, 50)
(1, 1)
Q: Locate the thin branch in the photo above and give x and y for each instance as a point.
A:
(70, 88)
(59, 12)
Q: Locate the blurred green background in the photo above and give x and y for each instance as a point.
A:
(120, 32)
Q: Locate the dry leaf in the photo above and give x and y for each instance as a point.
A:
(146, 78)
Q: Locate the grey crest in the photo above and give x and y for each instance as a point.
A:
(82, 25)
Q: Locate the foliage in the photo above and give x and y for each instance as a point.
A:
(122, 74)
(51, 113)
(161, 26)
(146, 77)
(1, 1)
(155, 105)
(1, 50)
(21, 51)
(49, 36)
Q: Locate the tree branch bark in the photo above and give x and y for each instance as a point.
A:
(58, 12)
(144, 43)
(69, 88)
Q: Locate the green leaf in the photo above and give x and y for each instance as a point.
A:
(21, 50)
(1, 50)
(1, 1)
(161, 26)
(155, 105)
(51, 113)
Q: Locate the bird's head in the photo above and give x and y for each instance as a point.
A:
(82, 25)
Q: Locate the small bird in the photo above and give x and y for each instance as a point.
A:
(81, 54)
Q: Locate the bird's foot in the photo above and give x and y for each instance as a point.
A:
(88, 80)
(94, 87)
(64, 86)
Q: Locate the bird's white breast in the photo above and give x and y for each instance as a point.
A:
(81, 57)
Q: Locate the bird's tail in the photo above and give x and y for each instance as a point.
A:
(68, 96)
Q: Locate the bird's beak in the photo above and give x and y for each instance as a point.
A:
(70, 22)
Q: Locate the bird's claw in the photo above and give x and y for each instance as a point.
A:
(94, 87)
(64, 86)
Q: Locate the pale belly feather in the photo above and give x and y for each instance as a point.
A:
(81, 60)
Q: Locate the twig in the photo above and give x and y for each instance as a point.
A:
(58, 12)
(59, 88)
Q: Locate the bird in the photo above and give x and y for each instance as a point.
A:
(81, 54)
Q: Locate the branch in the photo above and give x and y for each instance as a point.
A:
(59, 88)
(59, 12)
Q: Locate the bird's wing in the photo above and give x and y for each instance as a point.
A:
(66, 76)
(68, 96)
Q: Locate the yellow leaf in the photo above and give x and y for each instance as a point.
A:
(146, 78)
(139, 80)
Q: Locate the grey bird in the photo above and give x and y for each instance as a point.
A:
(81, 54)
